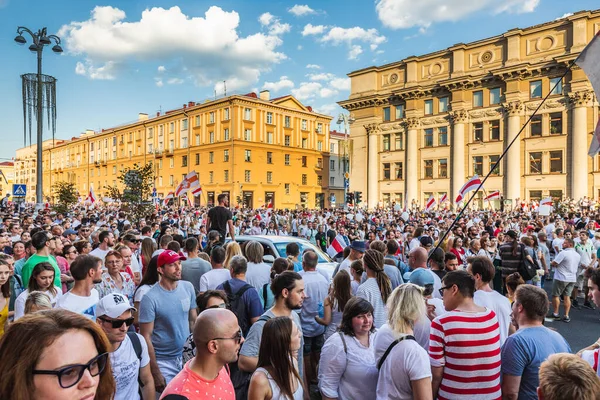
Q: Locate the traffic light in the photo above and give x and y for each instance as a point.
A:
(349, 198)
(358, 197)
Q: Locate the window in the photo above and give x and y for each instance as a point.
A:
(332, 165)
(197, 120)
(386, 142)
(428, 107)
(270, 118)
(319, 146)
(386, 171)
(211, 117)
(478, 98)
(399, 111)
(226, 114)
(304, 179)
(443, 104)
(211, 157)
(556, 124)
(535, 162)
(287, 122)
(211, 176)
(269, 177)
(114, 170)
(495, 129)
(320, 127)
(171, 163)
(319, 163)
(428, 137)
(160, 163)
(478, 132)
(226, 175)
(332, 181)
(287, 188)
(248, 155)
(247, 135)
(304, 143)
(443, 136)
(535, 195)
(150, 133)
(287, 159)
(114, 141)
(226, 134)
(304, 161)
(184, 143)
(556, 195)
(225, 155)
(269, 137)
(171, 180)
(269, 157)
(556, 162)
(197, 160)
(398, 170)
(428, 169)
(443, 168)
(161, 130)
(248, 114)
(386, 114)
(247, 176)
(536, 125)
(184, 161)
(494, 96)
(197, 140)
(92, 146)
(184, 124)
(558, 90)
(535, 89)
(493, 160)
(304, 125)
(172, 127)
(398, 142)
(286, 141)
(211, 137)
(478, 165)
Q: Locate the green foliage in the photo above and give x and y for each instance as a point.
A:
(137, 182)
(65, 195)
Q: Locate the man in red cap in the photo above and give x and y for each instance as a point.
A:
(167, 315)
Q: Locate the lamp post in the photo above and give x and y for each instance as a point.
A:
(40, 40)
(346, 120)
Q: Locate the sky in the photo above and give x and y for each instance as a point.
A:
(122, 58)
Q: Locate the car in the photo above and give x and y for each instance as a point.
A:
(274, 247)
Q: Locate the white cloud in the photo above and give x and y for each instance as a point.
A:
(159, 82)
(301, 10)
(327, 92)
(354, 52)
(266, 19)
(299, 47)
(283, 83)
(274, 24)
(307, 90)
(328, 109)
(564, 16)
(321, 85)
(79, 68)
(213, 49)
(310, 29)
(323, 76)
(401, 14)
(174, 81)
(313, 66)
(161, 68)
(340, 83)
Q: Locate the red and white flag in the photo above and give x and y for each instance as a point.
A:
(168, 197)
(493, 195)
(546, 202)
(444, 198)
(190, 181)
(471, 185)
(430, 203)
(91, 196)
(269, 210)
(337, 245)
(197, 191)
(589, 61)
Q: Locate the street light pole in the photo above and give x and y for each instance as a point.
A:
(346, 120)
(40, 39)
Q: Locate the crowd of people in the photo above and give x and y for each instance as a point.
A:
(177, 306)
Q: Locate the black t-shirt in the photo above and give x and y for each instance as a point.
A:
(219, 216)
(331, 234)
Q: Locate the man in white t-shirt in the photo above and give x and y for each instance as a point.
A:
(218, 274)
(107, 242)
(82, 299)
(558, 241)
(129, 357)
(483, 271)
(565, 266)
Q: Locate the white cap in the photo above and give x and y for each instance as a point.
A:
(113, 305)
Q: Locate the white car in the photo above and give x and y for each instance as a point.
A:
(274, 247)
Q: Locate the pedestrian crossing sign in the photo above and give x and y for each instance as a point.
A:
(19, 190)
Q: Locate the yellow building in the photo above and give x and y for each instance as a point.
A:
(425, 124)
(255, 148)
(7, 177)
(25, 167)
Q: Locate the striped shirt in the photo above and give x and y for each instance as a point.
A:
(369, 291)
(467, 345)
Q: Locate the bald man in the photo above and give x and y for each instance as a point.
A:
(218, 339)
(417, 258)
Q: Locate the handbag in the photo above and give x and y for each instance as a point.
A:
(527, 269)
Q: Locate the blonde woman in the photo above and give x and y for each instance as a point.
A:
(404, 370)
(232, 249)
(37, 301)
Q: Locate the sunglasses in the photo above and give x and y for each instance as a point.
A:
(71, 375)
(237, 337)
(117, 323)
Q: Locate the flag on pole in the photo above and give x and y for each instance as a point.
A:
(91, 196)
(444, 198)
(189, 201)
(493, 195)
(168, 197)
(589, 61)
(197, 191)
(337, 245)
(190, 181)
(546, 202)
(471, 185)
(430, 203)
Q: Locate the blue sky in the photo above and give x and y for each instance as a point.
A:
(126, 57)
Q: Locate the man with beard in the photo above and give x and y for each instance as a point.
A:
(167, 315)
(82, 299)
(107, 242)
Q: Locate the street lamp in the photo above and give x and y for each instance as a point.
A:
(345, 119)
(40, 39)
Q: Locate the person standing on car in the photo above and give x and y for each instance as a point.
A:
(220, 218)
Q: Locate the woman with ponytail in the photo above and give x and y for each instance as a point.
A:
(377, 288)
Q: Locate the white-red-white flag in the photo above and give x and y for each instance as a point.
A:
(168, 197)
(493, 195)
(197, 191)
(589, 61)
(91, 196)
(337, 246)
(190, 181)
(469, 186)
(269, 210)
(546, 201)
(430, 203)
(444, 198)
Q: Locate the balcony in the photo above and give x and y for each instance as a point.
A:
(103, 162)
(158, 153)
(121, 142)
(169, 152)
(97, 164)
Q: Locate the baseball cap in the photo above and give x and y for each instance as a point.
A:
(70, 232)
(168, 257)
(426, 241)
(113, 305)
(421, 277)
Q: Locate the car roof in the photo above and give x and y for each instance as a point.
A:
(274, 239)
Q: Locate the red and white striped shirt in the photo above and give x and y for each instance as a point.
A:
(467, 345)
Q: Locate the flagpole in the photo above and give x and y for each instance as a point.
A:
(497, 163)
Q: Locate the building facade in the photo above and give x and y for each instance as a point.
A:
(426, 124)
(7, 177)
(25, 166)
(338, 164)
(252, 147)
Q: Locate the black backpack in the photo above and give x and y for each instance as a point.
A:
(137, 347)
(237, 305)
(526, 269)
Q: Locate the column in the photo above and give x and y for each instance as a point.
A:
(514, 110)
(372, 165)
(579, 159)
(459, 119)
(411, 170)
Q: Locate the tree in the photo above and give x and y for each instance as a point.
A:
(66, 196)
(137, 183)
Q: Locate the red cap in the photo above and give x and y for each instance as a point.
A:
(168, 257)
(531, 228)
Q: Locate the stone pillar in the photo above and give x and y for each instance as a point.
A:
(579, 102)
(514, 110)
(411, 170)
(373, 165)
(459, 119)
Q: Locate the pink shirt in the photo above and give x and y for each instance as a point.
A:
(189, 384)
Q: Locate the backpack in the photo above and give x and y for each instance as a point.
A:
(389, 349)
(120, 225)
(237, 305)
(526, 269)
(264, 293)
(137, 347)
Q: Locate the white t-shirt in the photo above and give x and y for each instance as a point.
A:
(258, 274)
(557, 244)
(501, 306)
(345, 266)
(568, 262)
(135, 264)
(101, 254)
(80, 304)
(22, 298)
(126, 367)
(140, 292)
(439, 306)
(213, 278)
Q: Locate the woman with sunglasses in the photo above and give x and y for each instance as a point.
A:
(55, 355)
(42, 279)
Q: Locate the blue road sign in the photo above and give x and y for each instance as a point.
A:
(19, 190)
